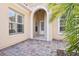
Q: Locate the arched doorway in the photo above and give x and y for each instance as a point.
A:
(40, 24)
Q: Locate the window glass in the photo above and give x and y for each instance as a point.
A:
(62, 24)
(12, 15)
(12, 28)
(19, 17)
(20, 28)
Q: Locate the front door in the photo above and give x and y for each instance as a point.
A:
(42, 27)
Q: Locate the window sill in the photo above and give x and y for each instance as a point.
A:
(16, 33)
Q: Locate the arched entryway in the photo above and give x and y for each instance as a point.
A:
(40, 24)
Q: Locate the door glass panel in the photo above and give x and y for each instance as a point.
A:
(42, 26)
(36, 28)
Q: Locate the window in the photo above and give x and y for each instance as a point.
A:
(20, 24)
(61, 24)
(12, 22)
(15, 22)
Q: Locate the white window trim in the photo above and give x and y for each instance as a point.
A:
(59, 32)
(16, 22)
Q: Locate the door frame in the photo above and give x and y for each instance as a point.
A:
(47, 19)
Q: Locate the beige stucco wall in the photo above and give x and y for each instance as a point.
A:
(6, 39)
(53, 30)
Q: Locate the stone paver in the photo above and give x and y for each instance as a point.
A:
(33, 48)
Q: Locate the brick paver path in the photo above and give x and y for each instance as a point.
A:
(33, 48)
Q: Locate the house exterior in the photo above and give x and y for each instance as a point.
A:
(20, 22)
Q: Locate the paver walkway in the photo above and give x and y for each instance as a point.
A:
(33, 48)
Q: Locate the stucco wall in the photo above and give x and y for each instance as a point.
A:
(54, 34)
(6, 39)
(53, 26)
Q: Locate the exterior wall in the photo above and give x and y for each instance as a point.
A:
(54, 34)
(6, 39)
(34, 5)
(53, 26)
